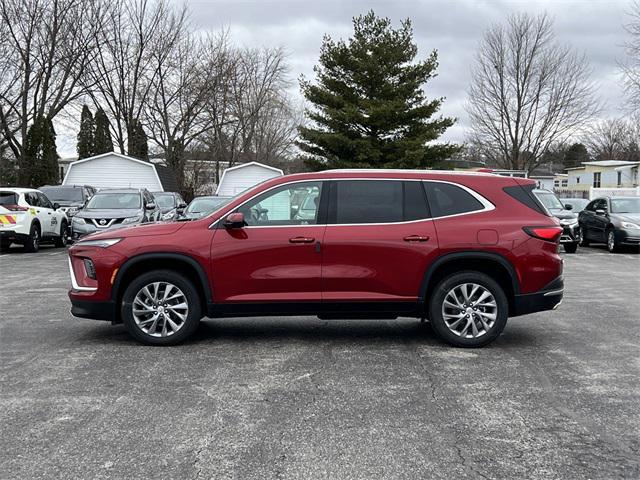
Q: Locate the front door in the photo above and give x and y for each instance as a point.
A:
(379, 241)
(277, 256)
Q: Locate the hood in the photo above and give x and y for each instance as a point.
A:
(627, 217)
(563, 214)
(113, 213)
(68, 203)
(139, 230)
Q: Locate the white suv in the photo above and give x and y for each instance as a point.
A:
(28, 217)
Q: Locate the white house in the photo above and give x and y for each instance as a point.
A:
(237, 179)
(604, 174)
(114, 170)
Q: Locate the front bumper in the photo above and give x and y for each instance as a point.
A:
(105, 310)
(628, 237)
(570, 234)
(549, 298)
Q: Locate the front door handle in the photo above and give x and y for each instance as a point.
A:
(302, 240)
(415, 238)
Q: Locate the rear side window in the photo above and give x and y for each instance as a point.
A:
(524, 194)
(8, 198)
(446, 199)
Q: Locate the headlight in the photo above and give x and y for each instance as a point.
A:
(630, 225)
(71, 211)
(78, 221)
(107, 242)
(169, 215)
(131, 220)
(569, 222)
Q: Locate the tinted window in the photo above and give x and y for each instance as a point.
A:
(447, 199)
(415, 201)
(367, 201)
(32, 199)
(8, 198)
(592, 206)
(282, 206)
(44, 201)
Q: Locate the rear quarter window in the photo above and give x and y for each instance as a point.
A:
(524, 194)
(8, 198)
(446, 199)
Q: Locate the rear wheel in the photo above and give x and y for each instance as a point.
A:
(571, 247)
(63, 239)
(33, 242)
(468, 309)
(161, 308)
(4, 245)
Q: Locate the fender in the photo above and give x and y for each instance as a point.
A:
(163, 256)
(468, 255)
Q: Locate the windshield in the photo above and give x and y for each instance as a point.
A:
(206, 204)
(164, 200)
(549, 200)
(116, 201)
(625, 205)
(63, 194)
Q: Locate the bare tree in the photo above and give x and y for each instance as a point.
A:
(614, 139)
(527, 92)
(45, 46)
(631, 66)
(137, 36)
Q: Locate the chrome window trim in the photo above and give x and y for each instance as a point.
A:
(74, 282)
(487, 205)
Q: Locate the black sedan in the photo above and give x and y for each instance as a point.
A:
(613, 220)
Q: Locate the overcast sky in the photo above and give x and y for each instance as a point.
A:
(453, 27)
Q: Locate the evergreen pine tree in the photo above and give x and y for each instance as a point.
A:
(39, 163)
(137, 144)
(575, 155)
(86, 136)
(102, 138)
(370, 110)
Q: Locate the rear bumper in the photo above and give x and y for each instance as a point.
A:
(13, 236)
(549, 298)
(94, 310)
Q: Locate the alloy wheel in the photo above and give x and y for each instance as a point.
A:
(469, 310)
(611, 241)
(160, 309)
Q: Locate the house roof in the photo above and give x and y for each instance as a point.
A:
(167, 178)
(257, 164)
(610, 163)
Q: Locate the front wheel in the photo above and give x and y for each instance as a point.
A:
(612, 243)
(63, 239)
(571, 247)
(584, 241)
(468, 309)
(161, 307)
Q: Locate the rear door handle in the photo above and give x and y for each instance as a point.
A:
(415, 238)
(302, 240)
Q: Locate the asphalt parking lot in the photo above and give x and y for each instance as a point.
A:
(556, 396)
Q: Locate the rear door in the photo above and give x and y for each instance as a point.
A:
(51, 219)
(379, 241)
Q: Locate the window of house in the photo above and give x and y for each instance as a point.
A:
(597, 177)
(619, 179)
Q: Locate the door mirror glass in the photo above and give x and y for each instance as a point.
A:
(150, 206)
(56, 206)
(234, 220)
(568, 206)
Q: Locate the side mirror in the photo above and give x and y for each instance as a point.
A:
(150, 206)
(181, 207)
(56, 206)
(601, 212)
(568, 206)
(234, 220)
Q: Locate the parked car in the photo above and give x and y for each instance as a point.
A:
(614, 220)
(71, 198)
(202, 206)
(171, 205)
(570, 238)
(29, 218)
(114, 208)
(577, 204)
(465, 250)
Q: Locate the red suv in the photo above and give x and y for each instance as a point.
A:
(464, 250)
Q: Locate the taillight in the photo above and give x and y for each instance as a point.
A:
(548, 234)
(16, 208)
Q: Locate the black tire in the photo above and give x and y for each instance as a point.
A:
(187, 289)
(612, 241)
(33, 242)
(63, 239)
(571, 247)
(4, 246)
(584, 241)
(436, 306)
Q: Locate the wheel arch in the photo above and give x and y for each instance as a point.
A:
(492, 264)
(181, 263)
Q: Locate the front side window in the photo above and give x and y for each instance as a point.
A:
(44, 201)
(295, 204)
(446, 199)
(32, 199)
